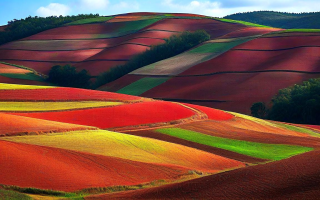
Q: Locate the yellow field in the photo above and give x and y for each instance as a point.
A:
(4, 86)
(132, 148)
(53, 106)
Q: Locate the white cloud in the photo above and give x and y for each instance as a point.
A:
(94, 4)
(126, 5)
(220, 8)
(55, 9)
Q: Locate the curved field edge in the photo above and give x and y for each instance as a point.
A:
(292, 178)
(133, 148)
(254, 149)
(53, 106)
(5, 86)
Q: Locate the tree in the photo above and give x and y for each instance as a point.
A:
(259, 110)
(69, 77)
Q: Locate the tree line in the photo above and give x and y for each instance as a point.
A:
(296, 104)
(18, 29)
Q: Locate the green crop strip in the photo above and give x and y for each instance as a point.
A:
(242, 22)
(28, 76)
(90, 20)
(298, 129)
(218, 47)
(142, 85)
(12, 195)
(254, 149)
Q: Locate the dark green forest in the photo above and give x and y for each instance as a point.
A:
(280, 19)
(18, 29)
(296, 104)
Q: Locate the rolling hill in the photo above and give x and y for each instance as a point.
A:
(82, 142)
(150, 130)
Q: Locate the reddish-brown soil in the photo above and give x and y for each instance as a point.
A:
(214, 27)
(62, 94)
(84, 31)
(119, 116)
(293, 178)
(250, 32)
(280, 42)
(64, 56)
(121, 52)
(301, 59)
(17, 125)
(41, 167)
(216, 151)
(237, 89)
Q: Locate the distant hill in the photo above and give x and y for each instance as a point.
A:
(280, 19)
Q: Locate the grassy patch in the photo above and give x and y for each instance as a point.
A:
(136, 25)
(12, 195)
(242, 22)
(90, 20)
(218, 47)
(53, 106)
(142, 85)
(28, 76)
(254, 149)
(298, 129)
(37, 191)
(300, 30)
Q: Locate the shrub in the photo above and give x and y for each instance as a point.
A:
(297, 104)
(68, 76)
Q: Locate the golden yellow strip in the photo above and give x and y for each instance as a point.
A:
(53, 106)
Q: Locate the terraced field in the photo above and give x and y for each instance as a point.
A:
(68, 143)
(71, 134)
(224, 73)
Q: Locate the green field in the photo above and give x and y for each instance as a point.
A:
(12, 195)
(218, 47)
(28, 76)
(242, 22)
(142, 85)
(90, 20)
(254, 149)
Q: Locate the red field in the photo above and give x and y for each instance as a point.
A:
(250, 32)
(17, 125)
(119, 116)
(63, 94)
(293, 178)
(67, 170)
(272, 43)
(121, 52)
(121, 82)
(237, 89)
(84, 31)
(64, 56)
(212, 113)
(301, 59)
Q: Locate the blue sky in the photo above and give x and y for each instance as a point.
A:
(17, 9)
